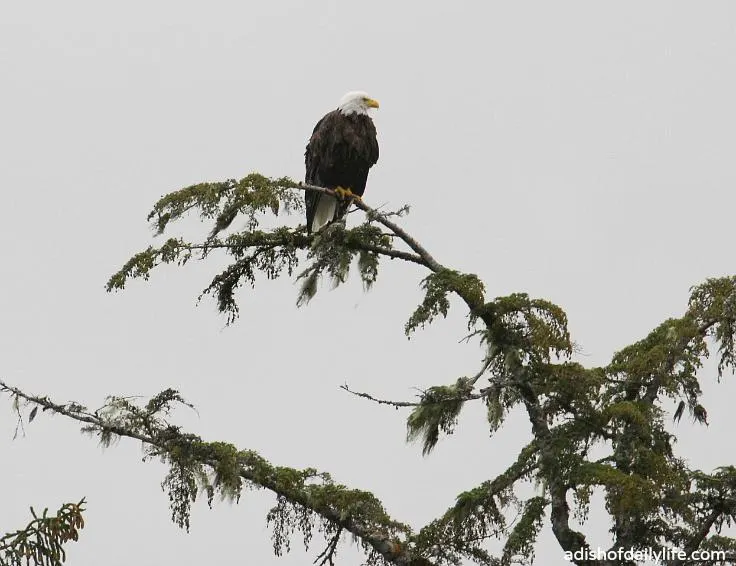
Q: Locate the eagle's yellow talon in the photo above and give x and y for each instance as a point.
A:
(346, 193)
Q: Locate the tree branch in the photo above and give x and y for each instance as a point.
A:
(468, 397)
(379, 537)
(372, 213)
(697, 539)
(472, 301)
(327, 555)
(304, 241)
(396, 404)
(486, 364)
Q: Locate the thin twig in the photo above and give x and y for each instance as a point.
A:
(477, 376)
(470, 396)
(396, 404)
(481, 393)
(326, 556)
(393, 254)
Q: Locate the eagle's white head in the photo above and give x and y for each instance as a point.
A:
(357, 102)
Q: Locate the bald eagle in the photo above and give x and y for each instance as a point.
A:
(342, 149)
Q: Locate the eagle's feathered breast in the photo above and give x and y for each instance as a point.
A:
(342, 149)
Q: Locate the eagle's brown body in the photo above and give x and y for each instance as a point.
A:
(342, 149)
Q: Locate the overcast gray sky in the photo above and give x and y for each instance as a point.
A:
(579, 151)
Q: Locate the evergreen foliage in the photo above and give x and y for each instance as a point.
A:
(595, 429)
(42, 541)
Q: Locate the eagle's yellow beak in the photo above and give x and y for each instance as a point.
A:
(371, 103)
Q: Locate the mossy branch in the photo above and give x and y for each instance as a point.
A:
(197, 466)
(274, 252)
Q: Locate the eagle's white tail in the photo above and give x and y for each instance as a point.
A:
(325, 211)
